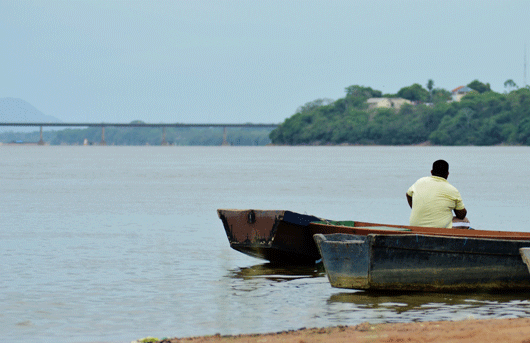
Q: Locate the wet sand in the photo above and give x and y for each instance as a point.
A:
(465, 331)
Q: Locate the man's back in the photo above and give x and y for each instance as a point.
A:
(433, 200)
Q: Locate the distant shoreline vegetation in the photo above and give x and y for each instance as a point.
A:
(469, 115)
(143, 136)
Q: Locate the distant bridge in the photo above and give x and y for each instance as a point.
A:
(162, 125)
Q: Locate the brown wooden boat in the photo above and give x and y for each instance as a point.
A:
(274, 235)
(281, 236)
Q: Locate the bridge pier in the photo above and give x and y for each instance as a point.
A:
(164, 142)
(41, 141)
(225, 142)
(103, 136)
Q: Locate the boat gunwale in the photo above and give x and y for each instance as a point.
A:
(366, 227)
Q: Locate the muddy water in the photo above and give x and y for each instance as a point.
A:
(110, 244)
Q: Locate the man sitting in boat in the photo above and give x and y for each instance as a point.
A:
(433, 200)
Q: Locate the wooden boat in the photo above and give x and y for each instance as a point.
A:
(417, 262)
(273, 235)
(281, 236)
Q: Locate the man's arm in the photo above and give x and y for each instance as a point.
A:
(409, 199)
(460, 214)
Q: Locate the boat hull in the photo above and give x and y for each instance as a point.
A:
(387, 262)
(281, 236)
(273, 235)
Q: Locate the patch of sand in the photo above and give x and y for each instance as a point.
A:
(515, 330)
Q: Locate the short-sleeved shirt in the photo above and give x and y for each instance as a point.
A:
(433, 202)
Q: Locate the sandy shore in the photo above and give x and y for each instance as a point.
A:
(466, 331)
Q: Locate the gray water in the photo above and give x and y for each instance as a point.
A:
(111, 244)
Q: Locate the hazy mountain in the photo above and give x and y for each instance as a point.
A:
(13, 110)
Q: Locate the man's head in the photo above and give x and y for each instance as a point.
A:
(440, 168)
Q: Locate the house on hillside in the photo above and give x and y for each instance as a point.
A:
(459, 92)
(387, 102)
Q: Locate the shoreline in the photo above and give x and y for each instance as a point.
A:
(516, 330)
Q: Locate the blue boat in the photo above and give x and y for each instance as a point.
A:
(417, 262)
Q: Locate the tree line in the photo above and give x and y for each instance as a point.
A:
(144, 136)
(482, 117)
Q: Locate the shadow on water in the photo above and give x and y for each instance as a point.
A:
(278, 273)
(482, 304)
(338, 306)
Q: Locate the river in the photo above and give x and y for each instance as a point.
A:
(111, 244)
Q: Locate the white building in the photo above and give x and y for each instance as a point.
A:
(387, 102)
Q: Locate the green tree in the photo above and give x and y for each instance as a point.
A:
(360, 91)
(509, 85)
(479, 86)
(308, 106)
(486, 118)
(430, 85)
(523, 133)
(440, 95)
(414, 93)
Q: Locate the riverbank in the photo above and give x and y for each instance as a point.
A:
(516, 330)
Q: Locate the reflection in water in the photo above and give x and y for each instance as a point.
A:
(303, 297)
(306, 291)
(435, 306)
(409, 301)
(279, 273)
(266, 296)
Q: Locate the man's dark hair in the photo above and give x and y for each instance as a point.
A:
(440, 168)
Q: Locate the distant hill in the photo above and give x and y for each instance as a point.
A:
(13, 110)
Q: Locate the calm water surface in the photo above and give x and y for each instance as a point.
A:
(111, 244)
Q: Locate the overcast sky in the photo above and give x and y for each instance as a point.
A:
(197, 61)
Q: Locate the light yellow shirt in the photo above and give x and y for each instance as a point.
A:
(433, 202)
